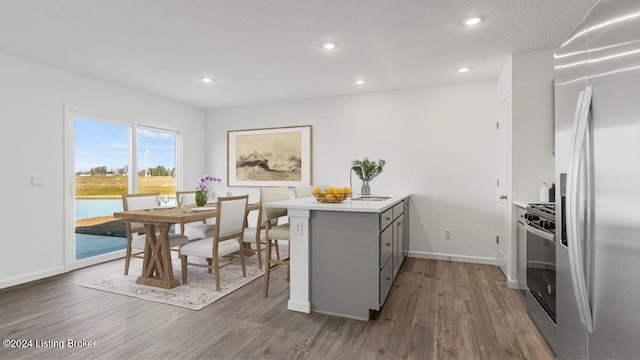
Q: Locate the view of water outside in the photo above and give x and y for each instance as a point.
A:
(93, 208)
(102, 153)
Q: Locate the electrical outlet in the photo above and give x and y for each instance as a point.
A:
(447, 233)
(298, 228)
(37, 181)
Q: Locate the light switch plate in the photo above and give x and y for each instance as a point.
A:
(37, 181)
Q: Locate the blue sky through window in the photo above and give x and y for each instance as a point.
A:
(106, 144)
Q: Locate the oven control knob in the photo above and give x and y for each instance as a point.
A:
(544, 224)
(532, 217)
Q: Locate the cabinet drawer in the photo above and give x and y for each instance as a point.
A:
(386, 246)
(398, 209)
(386, 280)
(398, 250)
(520, 214)
(386, 218)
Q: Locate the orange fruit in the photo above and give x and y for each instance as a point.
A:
(346, 190)
(316, 190)
(338, 191)
(330, 190)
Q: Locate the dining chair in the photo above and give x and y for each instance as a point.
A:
(227, 239)
(195, 230)
(274, 231)
(303, 191)
(257, 235)
(136, 237)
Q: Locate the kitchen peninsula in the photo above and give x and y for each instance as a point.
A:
(345, 256)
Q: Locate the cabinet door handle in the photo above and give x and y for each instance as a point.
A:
(388, 244)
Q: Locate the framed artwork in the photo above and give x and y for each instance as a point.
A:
(269, 157)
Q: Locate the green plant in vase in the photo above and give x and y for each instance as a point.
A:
(366, 171)
(202, 191)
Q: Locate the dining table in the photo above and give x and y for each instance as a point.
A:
(157, 269)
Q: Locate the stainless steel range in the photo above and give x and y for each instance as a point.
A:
(541, 268)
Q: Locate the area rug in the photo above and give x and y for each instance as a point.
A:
(198, 293)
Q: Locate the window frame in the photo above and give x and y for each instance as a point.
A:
(70, 114)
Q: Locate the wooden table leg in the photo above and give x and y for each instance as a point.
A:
(157, 269)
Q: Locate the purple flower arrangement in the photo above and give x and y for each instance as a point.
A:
(201, 182)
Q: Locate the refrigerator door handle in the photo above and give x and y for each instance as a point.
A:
(570, 212)
(573, 183)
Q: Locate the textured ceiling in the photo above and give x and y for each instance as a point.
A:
(260, 51)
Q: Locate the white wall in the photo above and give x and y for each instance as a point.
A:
(533, 161)
(527, 79)
(439, 144)
(32, 99)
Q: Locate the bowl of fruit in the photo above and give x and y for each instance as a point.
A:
(331, 194)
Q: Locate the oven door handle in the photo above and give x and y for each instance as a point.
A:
(573, 203)
(540, 233)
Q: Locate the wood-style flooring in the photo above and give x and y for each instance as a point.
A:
(436, 310)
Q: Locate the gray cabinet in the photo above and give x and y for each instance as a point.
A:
(386, 280)
(354, 258)
(385, 218)
(392, 243)
(405, 231)
(398, 241)
(398, 237)
(386, 245)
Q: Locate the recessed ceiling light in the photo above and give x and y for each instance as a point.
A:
(359, 82)
(329, 46)
(472, 21)
(206, 80)
(463, 69)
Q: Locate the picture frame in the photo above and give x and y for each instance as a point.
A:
(279, 156)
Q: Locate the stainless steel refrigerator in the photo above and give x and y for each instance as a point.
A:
(597, 147)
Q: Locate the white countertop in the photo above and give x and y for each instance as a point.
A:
(521, 204)
(349, 205)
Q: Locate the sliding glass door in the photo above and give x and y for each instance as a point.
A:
(156, 152)
(100, 155)
(101, 176)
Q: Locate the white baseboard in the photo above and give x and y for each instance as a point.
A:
(5, 283)
(298, 306)
(453, 257)
(513, 284)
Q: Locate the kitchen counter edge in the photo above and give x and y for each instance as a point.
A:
(349, 205)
